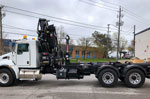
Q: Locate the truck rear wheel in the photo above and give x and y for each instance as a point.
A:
(134, 78)
(6, 78)
(108, 78)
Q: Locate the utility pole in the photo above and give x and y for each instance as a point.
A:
(1, 34)
(119, 25)
(107, 39)
(134, 40)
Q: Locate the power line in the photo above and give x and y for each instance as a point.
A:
(135, 15)
(126, 10)
(18, 33)
(127, 34)
(131, 13)
(98, 6)
(103, 4)
(15, 33)
(130, 29)
(22, 14)
(133, 18)
(53, 17)
(114, 4)
(117, 29)
(57, 21)
(19, 28)
(94, 26)
(12, 27)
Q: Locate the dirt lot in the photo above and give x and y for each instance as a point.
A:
(51, 88)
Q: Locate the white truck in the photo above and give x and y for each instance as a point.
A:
(32, 58)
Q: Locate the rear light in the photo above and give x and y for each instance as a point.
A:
(45, 53)
(51, 35)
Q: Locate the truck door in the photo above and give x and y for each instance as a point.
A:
(23, 54)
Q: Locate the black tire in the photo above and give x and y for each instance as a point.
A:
(105, 75)
(6, 77)
(134, 78)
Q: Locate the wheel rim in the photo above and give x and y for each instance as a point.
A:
(135, 78)
(108, 78)
(4, 78)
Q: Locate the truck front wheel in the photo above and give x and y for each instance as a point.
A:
(134, 78)
(6, 78)
(108, 78)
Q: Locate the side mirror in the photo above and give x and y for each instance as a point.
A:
(13, 49)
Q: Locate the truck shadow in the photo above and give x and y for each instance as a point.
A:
(69, 83)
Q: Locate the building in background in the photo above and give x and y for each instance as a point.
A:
(92, 52)
(8, 45)
(142, 44)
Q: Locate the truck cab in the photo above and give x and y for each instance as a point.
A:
(26, 54)
(23, 62)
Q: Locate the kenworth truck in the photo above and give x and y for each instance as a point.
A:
(30, 59)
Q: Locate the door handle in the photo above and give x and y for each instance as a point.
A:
(27, 62)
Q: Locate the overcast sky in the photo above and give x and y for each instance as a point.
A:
(78, 11)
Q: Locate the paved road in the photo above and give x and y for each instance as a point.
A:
(88, 88)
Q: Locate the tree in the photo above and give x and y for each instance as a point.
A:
(71, 42)
(84, 43)
(123, 42)
(131, 47)
(104, 42)
(2, 49)
(61, 35)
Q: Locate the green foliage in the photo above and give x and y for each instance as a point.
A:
(131, 47)
(104, 42)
